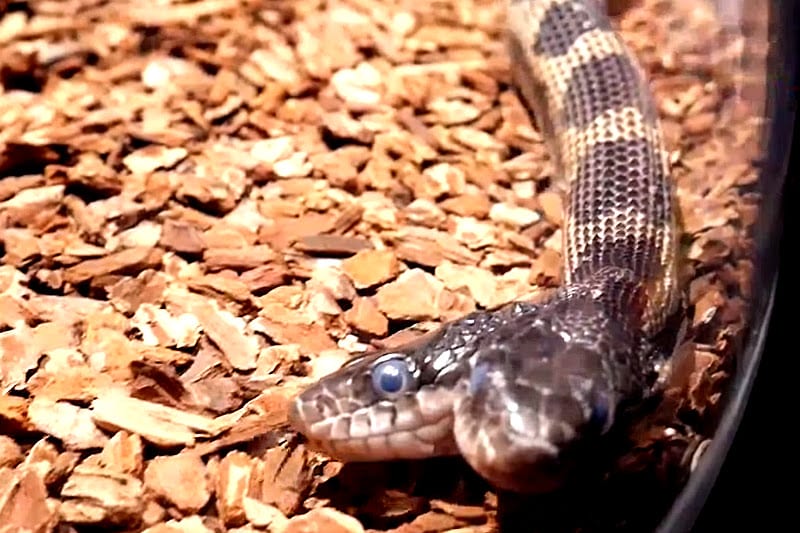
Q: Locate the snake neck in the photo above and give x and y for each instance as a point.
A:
(619, 292)
(587, 91)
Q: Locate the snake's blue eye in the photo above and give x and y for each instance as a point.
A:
(600, 412)
(478, 377)
(391, 377)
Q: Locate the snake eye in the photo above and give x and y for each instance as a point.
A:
(478, 377)
(392, 377)
(600, 412)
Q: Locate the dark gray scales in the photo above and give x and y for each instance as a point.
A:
(562, 25)
(606, 84)
(630, 252)
(619, 176)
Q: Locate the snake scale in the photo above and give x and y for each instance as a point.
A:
(518, 390)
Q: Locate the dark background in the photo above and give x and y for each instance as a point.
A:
(757, 486)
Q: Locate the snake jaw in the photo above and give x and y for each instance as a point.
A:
(516, 444)
(508, 452)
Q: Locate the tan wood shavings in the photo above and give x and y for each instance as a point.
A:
(513, 215)
(14, 415)
(208, 221)
(474, 233)
(102, 497)
(10, 452)
(67, 374)
(264, 515)
(22, 347)
(34, 196)
(365, 316)
(416, 295)
(49, 463)
(312, 338)
(180, 479)
(468, 205)
(132, 258)
(241, 258)
(25, 505)
(429, 247)
(234, 476)
(123, 453)
(191, 524)
(152, 158)
(359, 87)
(368, 268)
(72, 425)
(424, 212)
(326, 519)
(160, 328)
(481, 284)
(324, 33)
(225, 330)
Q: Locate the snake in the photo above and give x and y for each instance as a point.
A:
(524, 391)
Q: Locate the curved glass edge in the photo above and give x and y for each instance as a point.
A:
(781, 80)
(690, 501)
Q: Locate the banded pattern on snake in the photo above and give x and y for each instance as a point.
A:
(518, 389)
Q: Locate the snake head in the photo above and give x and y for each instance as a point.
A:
(377, 407)
(396, 403)
(536, 395)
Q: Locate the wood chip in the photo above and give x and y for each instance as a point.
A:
(323, 519)
(513, 215)
(24, 505)
(10, 452)
(97, 496)
(312, 338)
(239, 258)
(332, 244)
(123, 453)
(69, 423)
(368, 268)
(151, 158)
(468, 205)
(193, 235)
(283, 478)
(159, 425)
(552, 207)
(546, 269)
(180, 479)
(227, 331)
(265, 277)
(182, 237)
(159, 327)
(191, 524)
(343, 126)
(366, 317)
(415, 295)
(264, 515)
(133, 259)
(234, 475)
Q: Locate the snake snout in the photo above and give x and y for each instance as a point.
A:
(519, 438)
(529, 462)
(351, 420)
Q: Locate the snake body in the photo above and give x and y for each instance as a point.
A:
(517, 391)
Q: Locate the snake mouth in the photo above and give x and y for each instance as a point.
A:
(511, 460)
(378, 431)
